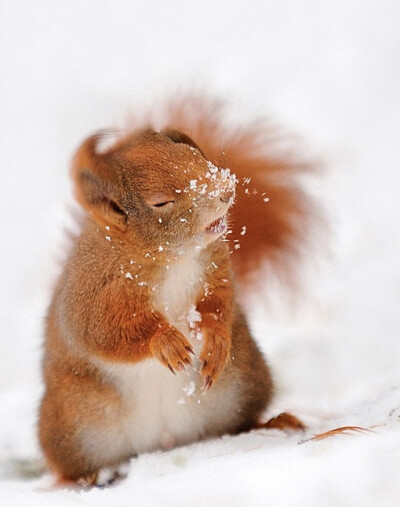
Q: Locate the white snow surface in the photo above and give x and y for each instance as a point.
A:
(328, 71)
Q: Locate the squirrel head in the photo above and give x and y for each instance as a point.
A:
(155, 192)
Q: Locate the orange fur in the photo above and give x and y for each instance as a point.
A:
(149, 285)
(283, 421)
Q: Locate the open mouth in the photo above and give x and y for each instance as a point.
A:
(217, 227)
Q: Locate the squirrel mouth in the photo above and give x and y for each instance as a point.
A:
(218, 227)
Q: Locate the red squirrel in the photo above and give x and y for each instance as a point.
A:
(145, 345)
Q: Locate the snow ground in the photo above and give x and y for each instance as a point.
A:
(326, 70)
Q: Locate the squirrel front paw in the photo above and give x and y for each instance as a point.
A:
(215, 352)
(170, 347)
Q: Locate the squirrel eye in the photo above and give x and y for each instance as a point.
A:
(162, 204)
(160, 200)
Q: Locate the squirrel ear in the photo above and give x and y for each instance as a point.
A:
(179, 137)
(94, 188)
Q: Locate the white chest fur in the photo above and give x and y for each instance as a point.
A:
(178, 291)
(161, 409)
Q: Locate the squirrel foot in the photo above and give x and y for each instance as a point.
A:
(283, 421)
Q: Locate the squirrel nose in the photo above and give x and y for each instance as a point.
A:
(226, 196)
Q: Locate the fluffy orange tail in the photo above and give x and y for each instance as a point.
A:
(272, 215)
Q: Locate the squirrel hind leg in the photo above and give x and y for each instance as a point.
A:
(82, 432)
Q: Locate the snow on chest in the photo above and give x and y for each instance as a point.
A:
(177, 294)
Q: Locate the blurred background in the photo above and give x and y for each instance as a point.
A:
(327, 72)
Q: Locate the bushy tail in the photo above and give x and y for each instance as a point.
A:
(272, 215)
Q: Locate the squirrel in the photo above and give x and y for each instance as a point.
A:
(146, 346)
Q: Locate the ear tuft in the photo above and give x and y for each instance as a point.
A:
(95, 185)
(179, 137)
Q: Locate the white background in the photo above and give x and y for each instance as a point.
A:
(328, 71)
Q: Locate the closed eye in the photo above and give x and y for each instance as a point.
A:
(160, 200)
(162, 204)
